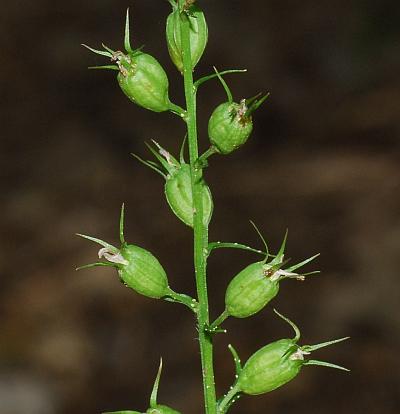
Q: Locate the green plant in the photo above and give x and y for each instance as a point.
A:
(144, 81)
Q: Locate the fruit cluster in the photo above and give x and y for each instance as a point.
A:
(144, 81)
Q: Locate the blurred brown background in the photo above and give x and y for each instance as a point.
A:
(323, 161)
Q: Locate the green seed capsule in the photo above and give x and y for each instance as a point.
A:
(137, 267)
(277, 363)
(141, 77)
(178, 186)
(257, 284)
(198, 34)
(269, 369)
(250, 290)
(178, 191)
(143, 81)
(143, 272)
(230, 124)
(228, 127)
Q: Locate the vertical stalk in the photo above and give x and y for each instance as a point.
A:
(199, 227)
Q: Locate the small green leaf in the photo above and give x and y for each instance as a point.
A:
(204, 79)
(99, 52)
(255, 103)
(96, 264)
(182, 150)
(279, 257)
(236, 359)
(310, 348)
(127, 43)
(304, 262)
(324, 364)
(149, 164)
(107, 67)
(121, 224)
(109, 50)
(295, 328)
(98, 241)
(229, 245)
(225, 86)
(262, 239)
(154, 392)
(161, 159)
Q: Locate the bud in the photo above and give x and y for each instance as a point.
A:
(198, 34)
(278, 362)
(257, 284)
(138, 269)
(231, 123)
(140, 76)
(178, 186)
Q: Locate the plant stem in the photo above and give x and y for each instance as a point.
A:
(206, 154)
(227, 400)
(219, 320)
(200, 228)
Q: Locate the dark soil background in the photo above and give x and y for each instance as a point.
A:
(323, 161)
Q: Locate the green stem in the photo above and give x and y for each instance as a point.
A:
(200, 228)
(176, 109)
(228, 399)
(202, 160)
(224, 315)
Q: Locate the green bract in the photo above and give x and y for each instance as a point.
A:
(178, 186)
(141, 77)
(230, 124)
(257, 284)
(277, 363)
(198, 34)
(156, 408)
(137, 267)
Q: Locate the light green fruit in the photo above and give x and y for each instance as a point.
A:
(143, 273)
(140, 75)
(198, 35)
(279, 362)
(228, 127)
(178, 184)
(178, 191)
(250, 290)
(144, 81)
(269, 368)
(138, 269)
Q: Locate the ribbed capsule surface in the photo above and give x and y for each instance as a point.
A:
(269, 368)
(249, 291)
(145, 83)
(198, 36)
(144, 273)
(162, 409)
(227, 128)
(178, 191)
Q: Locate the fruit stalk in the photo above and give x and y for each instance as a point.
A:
(200, 228)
